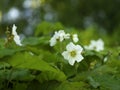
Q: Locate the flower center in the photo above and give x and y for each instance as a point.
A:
(73, 53)
(58, 39)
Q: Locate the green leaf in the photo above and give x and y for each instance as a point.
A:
(28, 61)
(4, 65)
(21, 74)
(20, 86)
(8, 51)
(16, 74)
(46, 28)
(72, 86)
(93, 82)
(69, 70)
(48, 76)
(31, 41)
(107, 81)
(107, 77)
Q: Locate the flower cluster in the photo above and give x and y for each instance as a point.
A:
(73, 52)
(12, 36)
(60, 35)
(95, 45)
(16, 36)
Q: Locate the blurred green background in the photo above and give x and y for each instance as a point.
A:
(80, 14)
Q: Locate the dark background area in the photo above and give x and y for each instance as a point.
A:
(27, 14)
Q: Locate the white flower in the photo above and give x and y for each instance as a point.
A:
(53, 41)
(16, 37)
(73, 53)
(67, 36)
(58, 36)
(105, 59)
(75, 38)
(96, 45)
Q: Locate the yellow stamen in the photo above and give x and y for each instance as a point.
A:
(73, 53)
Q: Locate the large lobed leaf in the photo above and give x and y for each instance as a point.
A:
(28, 61)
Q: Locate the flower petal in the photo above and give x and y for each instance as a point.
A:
(14, 30)
(79, 48)
(70, 46)
(52, 41)
(79, 58)
(71, 62)
(17, 40)
(65, 54)
(16, 36)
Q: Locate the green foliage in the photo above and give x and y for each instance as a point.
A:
(46, 28)
(8, 52)
(37, 66)
(72, 86)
